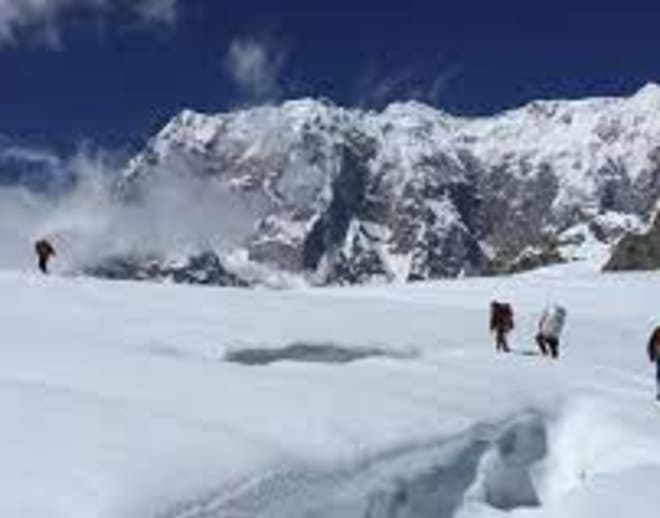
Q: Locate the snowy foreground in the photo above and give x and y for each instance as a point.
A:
(117, 401)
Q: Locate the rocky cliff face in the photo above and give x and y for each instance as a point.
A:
(638, 251)
(411, 193)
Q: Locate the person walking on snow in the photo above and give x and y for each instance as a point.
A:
(550, 328)
(653, 350)
(44, 250)
(501, 323)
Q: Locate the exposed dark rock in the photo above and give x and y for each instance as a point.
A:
(348, 195)
(531, 259)
(204, 269)
(637, 252)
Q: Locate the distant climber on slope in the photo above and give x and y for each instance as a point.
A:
(501, 323)
(551, 325)
(653, 350)
(44, 250)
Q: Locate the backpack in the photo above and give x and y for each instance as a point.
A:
(43, 248)
(553, 321)
(501, 316)
(654, 345)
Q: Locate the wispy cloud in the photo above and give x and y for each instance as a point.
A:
(13, 152)
(157, 11)
(422, 82)
(44, 17)
(255, 67)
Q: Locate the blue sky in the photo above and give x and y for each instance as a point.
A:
(111, 72)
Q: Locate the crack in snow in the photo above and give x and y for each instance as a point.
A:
(488, 464)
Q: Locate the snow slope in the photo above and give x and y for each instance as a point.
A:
(117, 401)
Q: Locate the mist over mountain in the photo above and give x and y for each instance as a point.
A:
(309, 191)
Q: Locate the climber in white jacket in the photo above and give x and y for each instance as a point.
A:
(551, 325)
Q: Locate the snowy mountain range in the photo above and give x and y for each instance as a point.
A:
(343, 196)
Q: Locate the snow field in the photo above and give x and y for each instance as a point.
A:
(117, 401)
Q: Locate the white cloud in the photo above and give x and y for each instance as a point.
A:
(29, 155)
(422, 82)
(87, 222)
(44, 16)
(157, 10)
(255, 67)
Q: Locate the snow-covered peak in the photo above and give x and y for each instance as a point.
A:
(415, 110)
(190, 127)
(649, 93)
(584, 134)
